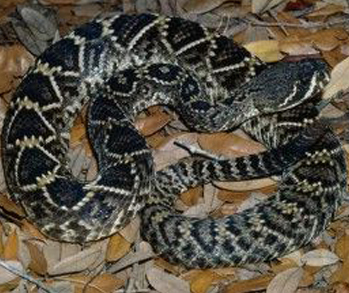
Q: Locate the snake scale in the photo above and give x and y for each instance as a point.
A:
(122, 64)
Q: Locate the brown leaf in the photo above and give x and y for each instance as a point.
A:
(11, 246)
(257, 284)
(203, 280)
(326, 10)
(38, 261)
(231, 196)
(152, 123)
(130, 232)
(1, 243)
(308, 276)
(5, 82)
(77, 134)
(297, 47)
(31, 230)
(102, 283)
(15, 59)
(80, 261)
(14, 62)
(339, 287)
(247, 185)
(166, 283)
(341, 274)
(283, 265)
(173, 269)
(333, 57)
(327, 40)
(9, 206)
(286, 282)
(118, 246)
(292, 258)
(342, 246)
(229, 144)
(8, 3)
(192, 196)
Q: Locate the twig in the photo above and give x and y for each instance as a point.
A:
(14, 271)
(281, 27)
(131, 259)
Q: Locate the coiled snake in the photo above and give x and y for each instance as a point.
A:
(123, 64)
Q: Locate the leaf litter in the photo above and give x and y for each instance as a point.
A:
(273, 30)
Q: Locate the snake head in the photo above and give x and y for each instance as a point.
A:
(286, 85)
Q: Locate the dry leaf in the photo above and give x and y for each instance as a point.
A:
(319, 257)
(15, 60)
(260, 6)
(78, 262)
(246, 185)
(118, 246)
(168, 153)
(203, 280)
(11, 246)
(325, 40)
(38, 262)
(295, 257)
(77, 134)
(327, 10)
(229, 209)
(5, 270)
(152, 123)
(102, 283)
(173, 269)
(283, 265)
(257, 284)
(58, 286)
(53, 252)
(309, 276)
(341, 274)
(286, 282)
(231, 196)
(339, 287)
(342, 246)
(192, 196)
(329, 39)
(88, 10)
(130, 232)
(166, 283)
(210, 198)
(266, 50)
(32, 231)
(9, 206)
(229, 144)
(201, 6)
(296, 47)
(1, 242)
(196, 211)
(8, 3)
(339, 79)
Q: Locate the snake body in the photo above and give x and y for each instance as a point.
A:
(123, 64)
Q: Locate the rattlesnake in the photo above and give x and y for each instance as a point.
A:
(123, 64)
